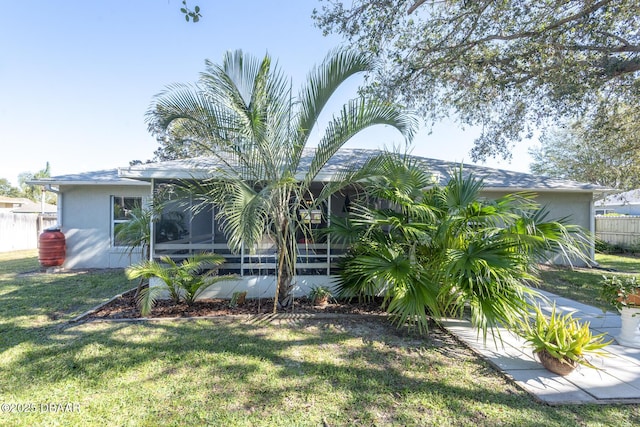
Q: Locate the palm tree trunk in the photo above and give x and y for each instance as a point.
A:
(286, 257)
(146, 249)
(139, 288)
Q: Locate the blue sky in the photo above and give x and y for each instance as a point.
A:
(76, 77)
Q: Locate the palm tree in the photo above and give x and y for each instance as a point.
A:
(135, 233)
(435, 250)
(36, 192)
(243, 113)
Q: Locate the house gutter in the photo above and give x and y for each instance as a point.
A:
(547, 190)
(49, 187)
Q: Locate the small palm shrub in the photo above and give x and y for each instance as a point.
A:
(184, 281)
(434, 251)
(237, 298)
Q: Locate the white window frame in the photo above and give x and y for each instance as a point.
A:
(115, 221)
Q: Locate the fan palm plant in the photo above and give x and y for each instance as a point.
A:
(243, 113)
(438, 249)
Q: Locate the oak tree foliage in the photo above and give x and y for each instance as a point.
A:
(8, 190)
(508, 67)
(604, 151)
(190, 15)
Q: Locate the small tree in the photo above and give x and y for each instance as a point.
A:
(603, 151)
(36, 192)
(244, 114)
(6, 189)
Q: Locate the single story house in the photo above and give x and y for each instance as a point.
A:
(93, 203)
(24, 205)
(627, 203)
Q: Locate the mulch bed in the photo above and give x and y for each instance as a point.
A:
(124, 307)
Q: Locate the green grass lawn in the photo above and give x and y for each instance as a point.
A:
(239, 373)
(584, 284)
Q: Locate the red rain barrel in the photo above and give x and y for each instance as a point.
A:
(51, 248)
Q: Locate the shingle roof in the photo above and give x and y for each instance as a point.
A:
(493, 178)
(24, 205)
(199, 168)
(101, 177)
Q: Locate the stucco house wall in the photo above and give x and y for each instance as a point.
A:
(86, 222)
(576, 206)
(86, 210)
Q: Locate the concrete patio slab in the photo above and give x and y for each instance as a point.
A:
(617, 379)
(550, 388)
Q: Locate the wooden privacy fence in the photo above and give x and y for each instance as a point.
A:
(618, 230)
(19, 231)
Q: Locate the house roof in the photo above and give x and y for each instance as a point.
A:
(24, 205)
(13, 200)
(627, 198)
(101, 177)
(494, 179)
(343, 160)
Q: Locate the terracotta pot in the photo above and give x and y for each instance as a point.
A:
(242, 298)
(321, 301)
(632, 299)
(556, 366)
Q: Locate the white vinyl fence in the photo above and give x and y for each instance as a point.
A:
(618, 230)
(19, 231)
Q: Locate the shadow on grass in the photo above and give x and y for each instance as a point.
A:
(360, 372)
(18, 262)
(579, 285)
(34, 302)
(619, 263)
(261, 369)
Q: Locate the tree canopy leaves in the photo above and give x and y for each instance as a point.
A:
(190, 15)
(604, 150)
(34, 192)
(506, 67)
(6, 189)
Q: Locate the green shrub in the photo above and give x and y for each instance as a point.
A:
(184, 281)
(621, 291)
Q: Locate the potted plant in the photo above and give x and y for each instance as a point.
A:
(624, 294)
(238, 298)
(560, 341)
(320, 295)
(621, 291)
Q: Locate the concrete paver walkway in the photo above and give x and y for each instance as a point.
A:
(616, 381)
